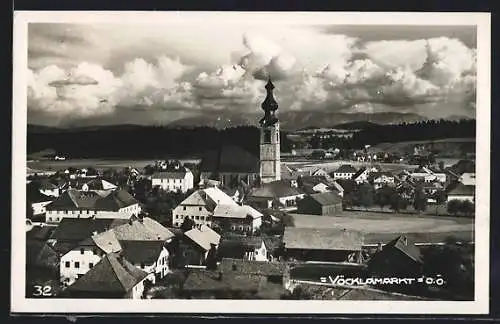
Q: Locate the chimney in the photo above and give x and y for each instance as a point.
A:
(379, 247)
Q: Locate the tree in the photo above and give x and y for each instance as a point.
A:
(211, 261)
(440, 197)
(420, 201)
(466, 207)
(441, 165)
(187, 224)
(397, 202)
(453, 206)
(366, 195)
(383, 196)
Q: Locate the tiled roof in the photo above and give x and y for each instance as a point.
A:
(204, 237)
(403, 244)
(463, 190)
(40, 233)
(100, 184)
(236, 211)
(113, 274)
(137, 252)
(326, 198)
(73, 199)
(358, 173)
(322, 239)
(142, 230)
(78, 229)
(218, 196)
(275, 189)
(107, 242)
(346, 168)
(40, 254)
(245, 267)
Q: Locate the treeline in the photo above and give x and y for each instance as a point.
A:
(144, 141)
(420, 131)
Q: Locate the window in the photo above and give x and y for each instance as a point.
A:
(91, 265)
(199, 208)
(142, 265)
(77, 264)
(184, 208)
(176, 224)
(202, 217)
(267, 136)
(197, 217)
(82, 251)
(67, 264)
(66, 212)
(50, 219)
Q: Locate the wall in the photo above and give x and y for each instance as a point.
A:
(200, 217)
(270, 166)
(90, 255)
(55, 216)
(461, 198)
(175, 184)
(39, 208)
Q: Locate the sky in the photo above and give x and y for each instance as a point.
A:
(158, 73)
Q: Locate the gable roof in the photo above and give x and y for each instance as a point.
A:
(204, 237)
(358, 173)
(275, 189)
(326, 198)
(113, 274)
(322, 239)
(230, 159)
(40, 254)
(345, 168)
(218, 196)
(107, 242)
(111, 200)
(245, 267)
(145, 229)
(463, 190)
(145, 252)
(100, 184)
(236, 211)
(78, 229)
(404, 245)
(40, 233)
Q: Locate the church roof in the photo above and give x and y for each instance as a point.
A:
(230, 159)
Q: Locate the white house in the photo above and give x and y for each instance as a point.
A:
(381, 179)
(38, 202)
(199, 206)
(150, 256)
(427, 175)
(79, 260)
(242, 218)
(177, 179)
(283, 192)
(345, 171)
(49, 189)
(361, 176)
(250, 248)
(204, 237)
(468, 179)
(92, 204)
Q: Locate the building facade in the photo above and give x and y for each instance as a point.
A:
(174, 180)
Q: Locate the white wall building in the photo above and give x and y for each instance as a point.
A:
(180, 179)
(345, 172)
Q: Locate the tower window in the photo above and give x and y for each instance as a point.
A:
(267, 136)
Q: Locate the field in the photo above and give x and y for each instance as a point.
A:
(95, 163)
(331, 166)
(383, 227)
(449, 147)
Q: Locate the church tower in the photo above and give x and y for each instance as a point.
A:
(270, 168)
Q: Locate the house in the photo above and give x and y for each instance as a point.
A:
(92, 204)
(428, 175)
(283, 193)
(196, 244)
(462, 192)
(150, 256)
(398, 258)
(230, 165)
(468, 178)
(361, 176)
(322, 204)
(98, 185)
(251, 248)
(242, 218)
(311, 244)
(345, 171)
(112, 277)
(314, 184)
(38, 201)
(79, 260)
(200, 205)
(177, 179)
(49, 189)
(383, 178)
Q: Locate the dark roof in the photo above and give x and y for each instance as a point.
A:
(40, 233)
(35, 196)
(92, 200)
(138, 252)
(97, 184)
(345, 168)
(236, 247)
(230, 159)
(326, 198)
(275, 189)
(40, 254)
(358, 173)
(245, 267)
(322, 239)
(113, 274)
(403, 244)
(171, 174)
(463, 190)
(78, 229)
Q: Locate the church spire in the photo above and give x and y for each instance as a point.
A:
(269, 105)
